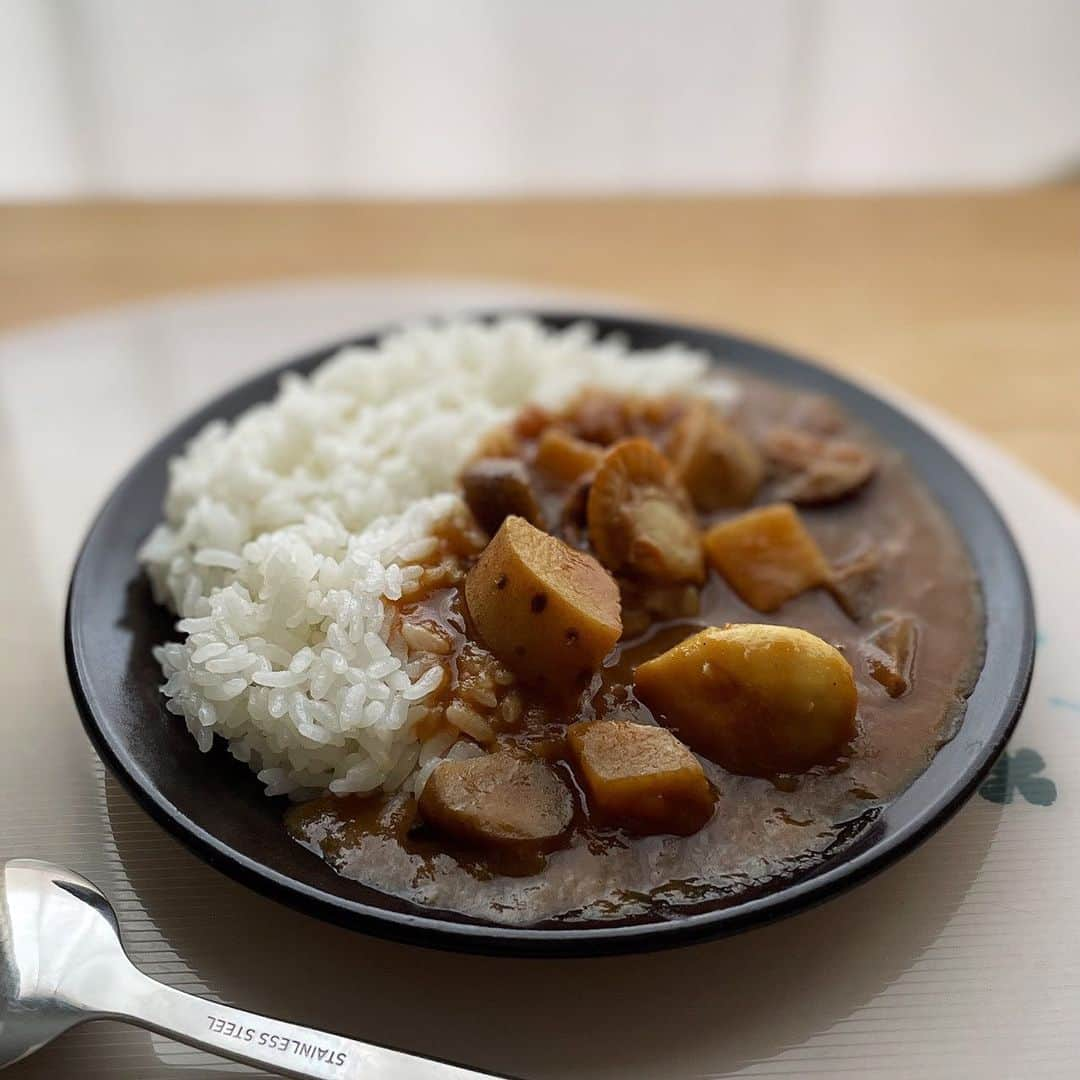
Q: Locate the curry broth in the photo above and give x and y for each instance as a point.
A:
(761, 830)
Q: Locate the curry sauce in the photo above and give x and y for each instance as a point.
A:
(894, 595)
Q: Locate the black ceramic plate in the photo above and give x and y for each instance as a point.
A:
(216, 806)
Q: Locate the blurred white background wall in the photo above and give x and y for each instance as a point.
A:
(153, 98)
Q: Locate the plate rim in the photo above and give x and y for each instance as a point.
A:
(435, 930)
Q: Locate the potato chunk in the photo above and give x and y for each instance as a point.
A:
(565, 458)
(767, 556)
(501, 800)
(640, 777)
(495, 488)
(545, 610)
(716, 464)
(759, 700)
(640, 519)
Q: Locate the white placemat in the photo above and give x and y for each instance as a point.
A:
(962, 960)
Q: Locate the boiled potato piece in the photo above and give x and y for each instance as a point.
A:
(565, 458)
(640, 519)
(767, 556)
(640, 777)
(495, 488)
(717, 465)
(759, 700)
(548, 612)
(501, 800)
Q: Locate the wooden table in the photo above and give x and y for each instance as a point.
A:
(972, 302)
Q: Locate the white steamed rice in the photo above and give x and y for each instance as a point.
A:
(290, 533)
